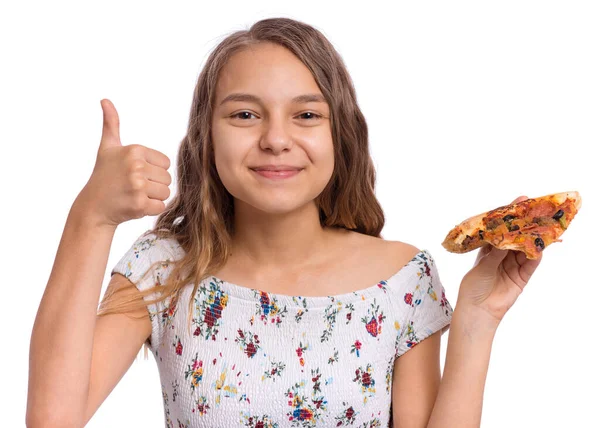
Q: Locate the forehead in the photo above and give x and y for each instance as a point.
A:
(267, 70)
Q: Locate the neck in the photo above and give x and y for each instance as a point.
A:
(278, 241)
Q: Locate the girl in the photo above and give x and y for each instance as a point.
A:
(265, 291)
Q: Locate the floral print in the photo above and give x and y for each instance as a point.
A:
(276, 370)
(194, 372)
(268, 309)
(334, 358)
(210, 308)
(300, 353)
(347, 416)
(257, 421)
(374, 319)
(356, 348)
(306, 412)
(330, 317)
(252, 358)
(249, 342)
(364, 377)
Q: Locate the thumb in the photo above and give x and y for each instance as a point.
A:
(110, 127)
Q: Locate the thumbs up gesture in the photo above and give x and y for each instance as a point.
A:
(128, 182)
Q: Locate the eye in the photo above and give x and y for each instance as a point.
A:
(236, 115)
(315, 115)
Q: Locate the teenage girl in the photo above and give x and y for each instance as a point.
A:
(265, 291)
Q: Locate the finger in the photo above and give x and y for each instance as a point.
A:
(157, 158)
(519, 268)
(512, 267)
(154, 207)
(519, 199)
(521, 258)
(494, 257)
(527, 266)
(157, 191)
(110, 125)
(483, 251)
(157, 174)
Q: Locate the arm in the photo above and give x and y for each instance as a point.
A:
(75, 359)
(459, 401)
(418, 395)
(62, 337)
(416, 381)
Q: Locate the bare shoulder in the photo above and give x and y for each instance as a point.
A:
(397, 247)
(400, 251)
(391, 253)
(401, 248)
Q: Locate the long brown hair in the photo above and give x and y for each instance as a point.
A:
(200, 215)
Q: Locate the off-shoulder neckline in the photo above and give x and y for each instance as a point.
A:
(254, 295)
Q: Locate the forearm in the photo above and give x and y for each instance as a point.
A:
(63, 332)
(460, 398)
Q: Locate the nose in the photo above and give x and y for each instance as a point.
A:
(276, 136)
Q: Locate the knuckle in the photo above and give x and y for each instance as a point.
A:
(137, 183)
(135, 151)
(135, 148)
(137, 164)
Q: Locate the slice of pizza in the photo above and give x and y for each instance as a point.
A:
(529, 226)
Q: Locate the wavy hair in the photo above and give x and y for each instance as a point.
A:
(200, 215)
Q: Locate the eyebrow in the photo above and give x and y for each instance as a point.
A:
(306, 98)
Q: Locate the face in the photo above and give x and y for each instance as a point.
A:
(270, 125)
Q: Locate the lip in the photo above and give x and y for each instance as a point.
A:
(277, 174)
(277, 168)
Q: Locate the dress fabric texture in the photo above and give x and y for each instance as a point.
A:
(257, 359)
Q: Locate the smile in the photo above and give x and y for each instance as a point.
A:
(277, 175)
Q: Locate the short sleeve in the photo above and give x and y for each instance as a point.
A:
(425, 304)
(145, 254)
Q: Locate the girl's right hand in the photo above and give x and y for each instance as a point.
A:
(128, 182)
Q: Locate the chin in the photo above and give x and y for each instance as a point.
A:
(275, 204)
(277, 208)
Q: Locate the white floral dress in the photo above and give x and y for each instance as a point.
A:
(258, 359)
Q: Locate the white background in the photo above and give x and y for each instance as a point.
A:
(469, 105)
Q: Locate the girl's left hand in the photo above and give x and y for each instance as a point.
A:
(496, 280)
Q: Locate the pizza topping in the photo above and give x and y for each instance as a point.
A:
(493, 223)
(541, 207)
(467, 240)
(539, 242)
(544, 221)
(560, 216)
(528, 215)
(507, 221)
(530, 224)
(563, 223)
